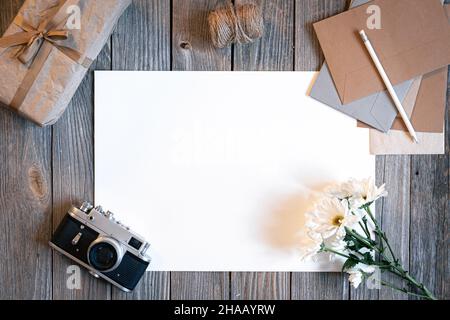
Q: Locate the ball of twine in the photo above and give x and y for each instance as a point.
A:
(230, 24)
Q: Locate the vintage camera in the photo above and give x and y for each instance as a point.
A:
(107, 248)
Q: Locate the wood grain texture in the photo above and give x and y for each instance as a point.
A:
(309, 56)
(430, 212)
(260, 285)
(200, 286)
(141, 40)
(275, 50)
(429, 202)
(25, 200)
(26, 211)
(148, 49)
(394, 214)
(319, 286)
(192, 48)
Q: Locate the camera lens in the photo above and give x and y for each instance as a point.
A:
(103, 256)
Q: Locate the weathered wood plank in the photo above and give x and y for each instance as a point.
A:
(429, 256)
(25, 199)
(73, 177)
(200, 286)
(260, 285)
(394, 214)
(308, 57)
(429, 238)
(142, 42)
(192, 49)
(319, 286)
(273, 52)
(26, 210)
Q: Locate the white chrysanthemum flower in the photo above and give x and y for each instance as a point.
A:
(355, 277)
(336, 243)
(340, 191)
(310, 244)
(358, 273)
(330, 218)
(310, 249)
(358, 192)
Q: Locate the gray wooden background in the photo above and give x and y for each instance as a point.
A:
(43, 171)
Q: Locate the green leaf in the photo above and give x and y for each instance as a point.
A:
(349, 263)
(353, 244)
(368, 259)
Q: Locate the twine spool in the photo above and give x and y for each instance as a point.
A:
(230, 24)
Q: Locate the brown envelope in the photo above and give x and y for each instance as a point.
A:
(414, 39)
(431, 100)
(429, 110)
(431, 96)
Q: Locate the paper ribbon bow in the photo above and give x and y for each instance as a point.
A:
(36, 44)
(31, 38)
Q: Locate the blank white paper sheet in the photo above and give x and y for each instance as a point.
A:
(217, 169)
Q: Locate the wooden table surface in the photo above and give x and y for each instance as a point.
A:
(43, 171)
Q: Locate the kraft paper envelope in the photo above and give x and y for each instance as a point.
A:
(414, 39)
(220, 182)
(376, 110)
(428, 113)
(431, 97)
(431, 112)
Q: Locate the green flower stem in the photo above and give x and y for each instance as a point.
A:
(380, 232)
(391, 264)
(367, 228)
(364, 228)
(401, 272)
(366, 241)
(325, 249)
(397, 270)
(406, 276)
(386, 284)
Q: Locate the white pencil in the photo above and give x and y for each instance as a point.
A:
(389, 86)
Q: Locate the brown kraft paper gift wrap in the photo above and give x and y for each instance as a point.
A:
(39, 78)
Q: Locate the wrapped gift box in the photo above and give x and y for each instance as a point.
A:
(47, 50)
